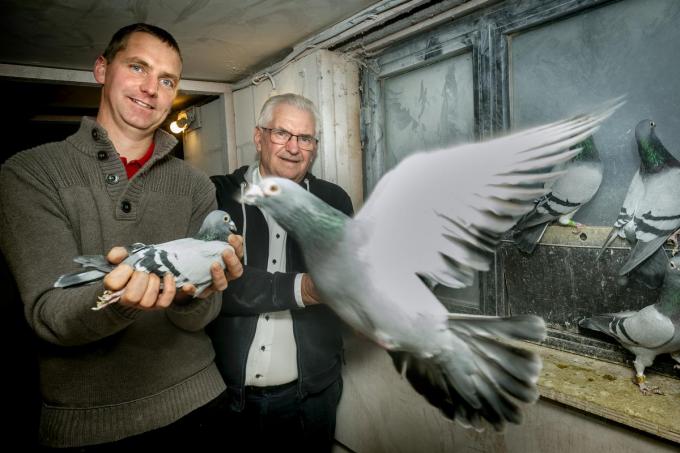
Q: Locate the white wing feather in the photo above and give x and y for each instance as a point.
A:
(441, 213)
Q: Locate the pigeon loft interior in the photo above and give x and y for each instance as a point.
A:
(392, 77)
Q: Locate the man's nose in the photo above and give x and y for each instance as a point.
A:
(292, 144)
(149, 86)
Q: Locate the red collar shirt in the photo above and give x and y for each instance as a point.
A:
(133, 166)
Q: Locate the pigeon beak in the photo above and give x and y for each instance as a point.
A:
(253, 194)
(232, 226)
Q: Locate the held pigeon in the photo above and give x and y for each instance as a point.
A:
(188, 259)
(435, 216)
(576, 187)
(651, 211)
(650, 331)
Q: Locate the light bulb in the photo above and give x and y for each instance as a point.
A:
(179, 126)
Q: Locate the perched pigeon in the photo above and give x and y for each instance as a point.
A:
(567, 194)
(649, 332)
(651, 211)
(436, 216)
(188, 259)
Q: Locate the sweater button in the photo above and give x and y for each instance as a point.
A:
(126, 206)
(112, 179)
(101, 155)
(95, 134)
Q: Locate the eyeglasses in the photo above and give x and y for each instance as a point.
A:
(282, 136)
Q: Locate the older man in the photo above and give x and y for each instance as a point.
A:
(278, 348)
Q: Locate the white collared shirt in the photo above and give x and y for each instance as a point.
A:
(272, 358)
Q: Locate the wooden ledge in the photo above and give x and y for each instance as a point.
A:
(607, 390)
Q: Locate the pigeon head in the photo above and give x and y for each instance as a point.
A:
(273, 192)
(654, 156)
(216, 227)
(279, 197)
(298, 211)
(644, 130)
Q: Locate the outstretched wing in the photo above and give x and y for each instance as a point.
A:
(446, 210)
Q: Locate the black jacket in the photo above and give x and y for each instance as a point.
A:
(317, 329)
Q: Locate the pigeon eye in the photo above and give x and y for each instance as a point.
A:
(652, 124)
(226, 218)
(274, 188)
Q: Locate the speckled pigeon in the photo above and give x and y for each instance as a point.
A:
(567, 194)
(650, 331)
(651, 210)
(437, 215)
(188, 259)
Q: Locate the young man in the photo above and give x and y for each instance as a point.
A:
(125, 376)
(278, 349)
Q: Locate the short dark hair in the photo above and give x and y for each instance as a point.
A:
(120, 38)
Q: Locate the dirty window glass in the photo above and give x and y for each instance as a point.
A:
(627, 48)
(429, 107)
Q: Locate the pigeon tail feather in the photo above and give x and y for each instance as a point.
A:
(652, 271)
(500, 375)
(527, 239)
(599, 323)
(79, 277)
(610, 238)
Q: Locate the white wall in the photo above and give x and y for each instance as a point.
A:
(206, 147)
(332, 83)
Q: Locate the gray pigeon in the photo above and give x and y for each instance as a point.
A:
(188, 259)
(649, 332)
(436, 216)
(651, 211)
(567, 194)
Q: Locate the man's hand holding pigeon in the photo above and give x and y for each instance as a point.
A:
(143, 289)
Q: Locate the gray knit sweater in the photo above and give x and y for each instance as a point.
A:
(107, 374)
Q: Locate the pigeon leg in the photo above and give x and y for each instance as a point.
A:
(107, 298)
(640, 379)
(566, 220)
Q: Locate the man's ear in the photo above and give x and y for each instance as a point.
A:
(99, 70)
(257, 139)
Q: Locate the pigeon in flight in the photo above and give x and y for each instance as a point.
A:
(567, 194)
(650, 331)
(188, 259)
(435, 217)
(651, 212)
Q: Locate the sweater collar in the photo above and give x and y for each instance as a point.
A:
(91, 139)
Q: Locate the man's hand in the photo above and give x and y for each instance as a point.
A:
(236, 241)
(221, 278)
(142, 290)
(309, 294)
